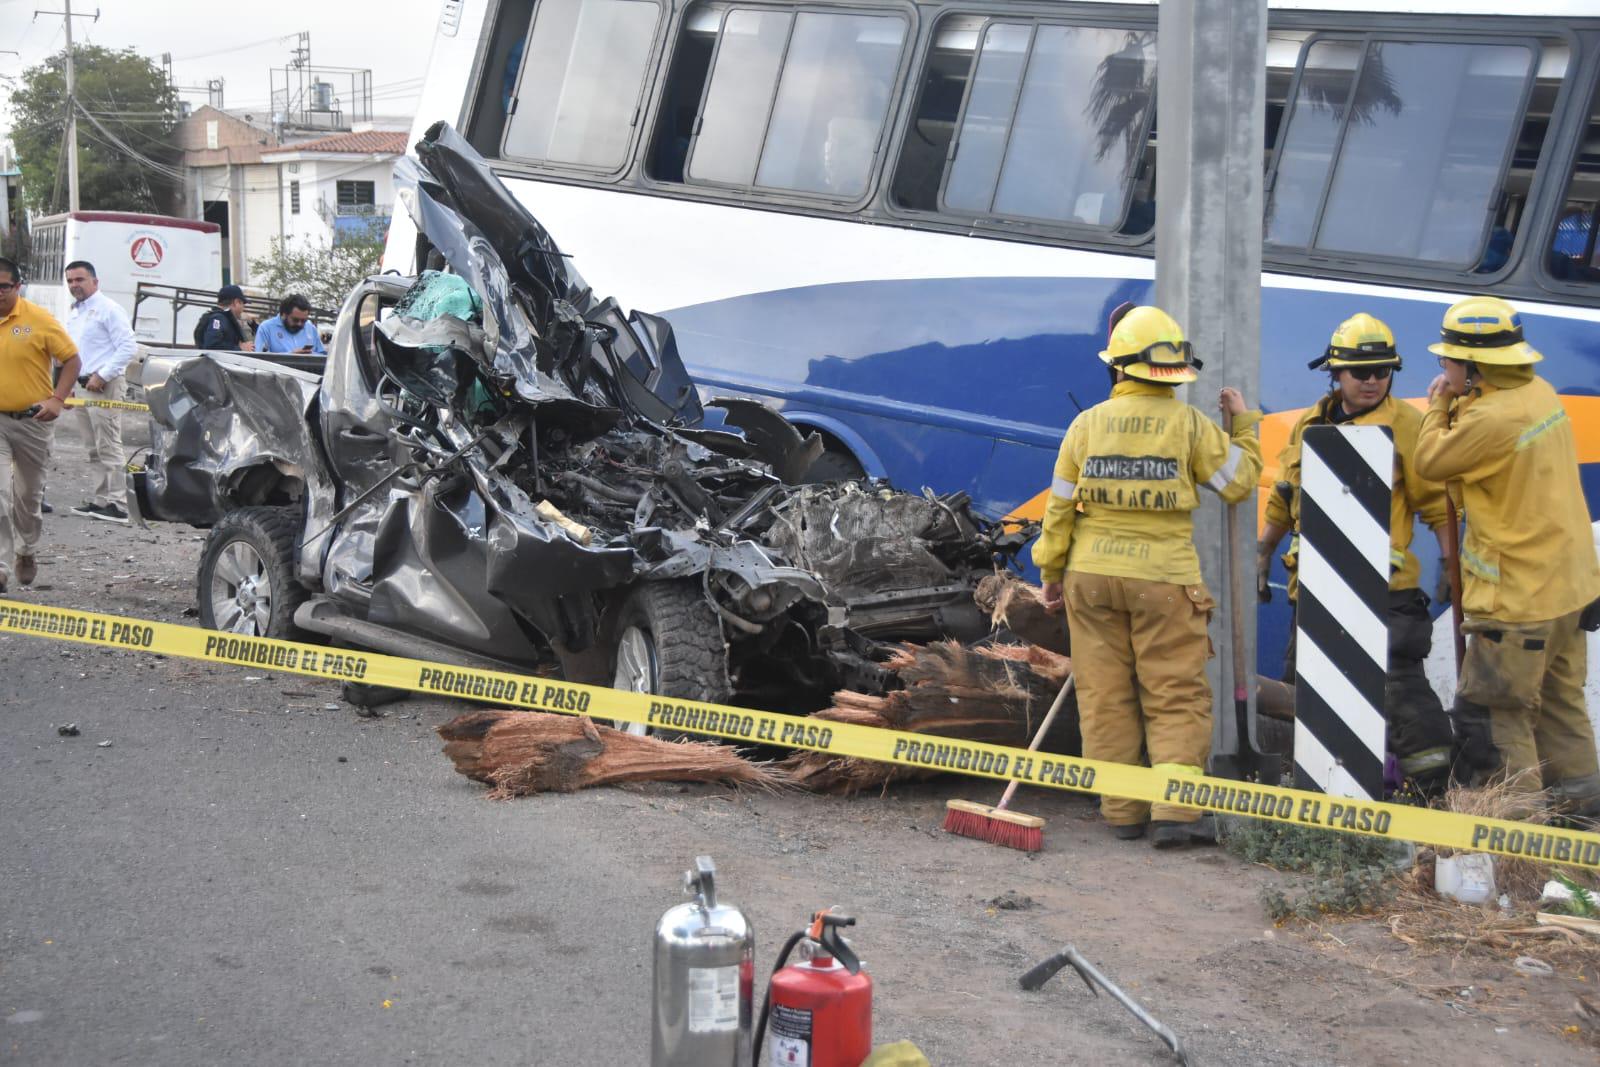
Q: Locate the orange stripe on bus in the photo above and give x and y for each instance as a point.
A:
(1584, 411)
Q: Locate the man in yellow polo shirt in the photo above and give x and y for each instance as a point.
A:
(31, 340)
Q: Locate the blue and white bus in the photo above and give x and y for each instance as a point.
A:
(904, 222)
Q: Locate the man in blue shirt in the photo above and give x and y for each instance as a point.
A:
(291, 329)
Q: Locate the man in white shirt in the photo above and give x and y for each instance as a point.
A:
(104, 336)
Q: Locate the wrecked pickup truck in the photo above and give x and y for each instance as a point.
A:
(498, 468)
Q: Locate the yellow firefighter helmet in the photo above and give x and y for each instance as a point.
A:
(1362, 340)
(1148, 344)
(1484, 329)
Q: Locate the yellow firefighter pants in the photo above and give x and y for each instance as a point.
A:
(1530, 676)
(1139, 651)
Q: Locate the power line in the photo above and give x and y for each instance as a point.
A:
(235, 48)
(133, 153)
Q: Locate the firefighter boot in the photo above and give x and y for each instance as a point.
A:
(1419, 730)
(1473, 757)
(1577, 800)
(1166, 834)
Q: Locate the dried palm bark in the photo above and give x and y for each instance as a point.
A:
(996, 694)
(524, 752)
(1018, 606)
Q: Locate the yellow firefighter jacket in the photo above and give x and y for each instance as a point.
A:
(1413, 494)
(1127, 479)
(1528, 555)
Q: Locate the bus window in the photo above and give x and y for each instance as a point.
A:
(1572, 255)
(502, 61)
(680, 103)
(1030, 121)
(49, 254)
(790, 101)
(734, 116)
(945, 71)
(831, 103)
(1399, 149)
(583, 70)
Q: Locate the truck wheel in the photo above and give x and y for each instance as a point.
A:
(669, 642)
(247, 583)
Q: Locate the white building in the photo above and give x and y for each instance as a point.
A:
(335, 186)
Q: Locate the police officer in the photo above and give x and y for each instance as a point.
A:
(1118, 528)
(1497, 433)
(1362, 359)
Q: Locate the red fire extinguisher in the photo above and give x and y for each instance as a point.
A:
(820, 1009)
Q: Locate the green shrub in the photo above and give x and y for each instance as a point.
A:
(1349, 874)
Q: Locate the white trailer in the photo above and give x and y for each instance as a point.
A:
(126, 249)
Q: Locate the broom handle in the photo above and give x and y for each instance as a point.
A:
(1452, 564)
(1038, 737)
(1453, 575)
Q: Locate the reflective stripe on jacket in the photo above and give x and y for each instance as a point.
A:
(1413, 494)
(1127, 479)
(1528, 554)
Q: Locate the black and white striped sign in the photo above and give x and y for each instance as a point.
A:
(1342, 643)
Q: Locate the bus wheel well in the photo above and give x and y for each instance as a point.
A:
(838, 462)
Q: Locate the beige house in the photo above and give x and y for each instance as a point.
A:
(228, 183)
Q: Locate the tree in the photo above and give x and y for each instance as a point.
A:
(127, 151)
(324, 274)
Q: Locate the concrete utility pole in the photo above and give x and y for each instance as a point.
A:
(72, 101)
(72, 116)
(1211, 123)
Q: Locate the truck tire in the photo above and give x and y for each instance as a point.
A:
(246, 582)
(669, 642)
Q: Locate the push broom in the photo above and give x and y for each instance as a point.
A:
(997, 825)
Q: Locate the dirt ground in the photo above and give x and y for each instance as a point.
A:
(946, 924)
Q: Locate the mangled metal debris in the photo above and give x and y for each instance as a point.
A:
(500, 468)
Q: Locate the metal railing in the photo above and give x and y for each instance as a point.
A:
(329, 212)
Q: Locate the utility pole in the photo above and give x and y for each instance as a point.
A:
(1211, 114)
(72, 101)
(72, 115)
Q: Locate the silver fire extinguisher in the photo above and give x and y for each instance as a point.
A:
(704, 970)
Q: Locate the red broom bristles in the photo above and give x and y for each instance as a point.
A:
(995, 831)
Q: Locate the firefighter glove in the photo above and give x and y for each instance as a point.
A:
(1441, 588)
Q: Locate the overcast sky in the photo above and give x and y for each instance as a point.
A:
(239, 41)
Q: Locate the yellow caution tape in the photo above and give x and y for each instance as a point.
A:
(120, 405)
(1398, 822)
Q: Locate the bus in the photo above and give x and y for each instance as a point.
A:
(904, 222)
(126, 249)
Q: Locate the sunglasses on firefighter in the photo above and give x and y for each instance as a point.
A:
(1366, 374)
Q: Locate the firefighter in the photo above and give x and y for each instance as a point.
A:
(1498, 435)
(1361, 359)
(1118, 527)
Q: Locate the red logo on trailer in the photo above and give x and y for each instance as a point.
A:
(146, 251)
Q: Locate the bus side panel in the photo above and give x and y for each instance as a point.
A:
(941, 376)
(968, 383)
